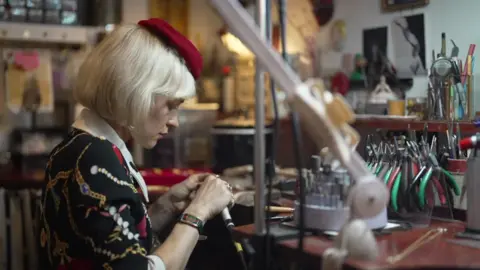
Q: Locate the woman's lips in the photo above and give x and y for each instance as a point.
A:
(161, 135)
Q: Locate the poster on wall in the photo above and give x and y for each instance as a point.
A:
(374, 42)
(374, 50)
(396, 5)
(408, 39)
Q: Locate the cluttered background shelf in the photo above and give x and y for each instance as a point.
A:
(11, 178)
(413, 124)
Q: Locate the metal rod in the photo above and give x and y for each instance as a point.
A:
(271, 164)
(259, 139)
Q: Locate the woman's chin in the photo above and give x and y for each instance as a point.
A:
(148, 143)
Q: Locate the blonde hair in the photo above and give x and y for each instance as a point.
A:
(120, 77)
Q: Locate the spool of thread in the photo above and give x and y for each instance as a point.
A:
(396, 107)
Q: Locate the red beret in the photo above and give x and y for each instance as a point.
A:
(173, 39)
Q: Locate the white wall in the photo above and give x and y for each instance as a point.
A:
(459, 19)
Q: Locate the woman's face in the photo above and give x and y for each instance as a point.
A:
(161, 119)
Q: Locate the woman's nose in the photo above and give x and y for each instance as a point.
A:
(173, 122)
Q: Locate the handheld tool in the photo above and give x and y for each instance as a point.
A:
(440, 172)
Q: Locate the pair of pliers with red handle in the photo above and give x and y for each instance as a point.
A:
(397, 180)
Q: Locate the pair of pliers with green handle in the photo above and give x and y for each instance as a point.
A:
(377, 161)
(397, 175)
(436, 173)
(420, 171)
(398, 182)
(384, 161)
(449, 180)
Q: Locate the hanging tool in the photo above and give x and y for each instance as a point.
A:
(399, 182)
(412, 171)
(440, 172)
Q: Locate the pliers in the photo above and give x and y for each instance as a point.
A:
(394, 169)
(387, 163)
(423, 179)
(395, 181)
(370, 151)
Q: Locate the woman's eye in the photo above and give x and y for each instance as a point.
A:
(172, 107)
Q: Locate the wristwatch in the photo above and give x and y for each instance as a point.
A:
(194, 222)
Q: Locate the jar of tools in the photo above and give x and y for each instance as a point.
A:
(412, 174)
(451, 92)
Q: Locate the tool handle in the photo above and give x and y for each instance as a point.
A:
(395, 191)
(452, 182)
(393, 177)
(423, 187)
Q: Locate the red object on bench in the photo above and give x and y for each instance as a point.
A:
(168, 177)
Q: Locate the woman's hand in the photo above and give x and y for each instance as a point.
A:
(176, 200)
(180, 195)
(211, 198)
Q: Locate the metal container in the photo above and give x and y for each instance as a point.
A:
(417, 107)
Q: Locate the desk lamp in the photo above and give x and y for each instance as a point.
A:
(326, 116)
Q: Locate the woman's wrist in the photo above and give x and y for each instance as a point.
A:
(194, 217)
(197, 212)
(162, 212)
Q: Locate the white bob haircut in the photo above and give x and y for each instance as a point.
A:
(121, 76)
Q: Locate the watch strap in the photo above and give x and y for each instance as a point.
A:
(192, 221)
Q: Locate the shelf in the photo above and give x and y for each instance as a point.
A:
(418, 125)
(45, 33)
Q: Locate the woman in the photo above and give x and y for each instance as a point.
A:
(93, 212)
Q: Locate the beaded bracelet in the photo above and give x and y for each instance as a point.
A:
(194, 222)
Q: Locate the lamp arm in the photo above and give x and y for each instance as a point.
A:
(325, 115)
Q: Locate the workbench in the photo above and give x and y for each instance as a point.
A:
(436, 254)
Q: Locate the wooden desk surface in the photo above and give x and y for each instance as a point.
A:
(436, 254)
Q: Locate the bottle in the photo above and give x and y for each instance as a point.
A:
(228, 91)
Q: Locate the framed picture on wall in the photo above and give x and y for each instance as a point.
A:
(395, 5)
